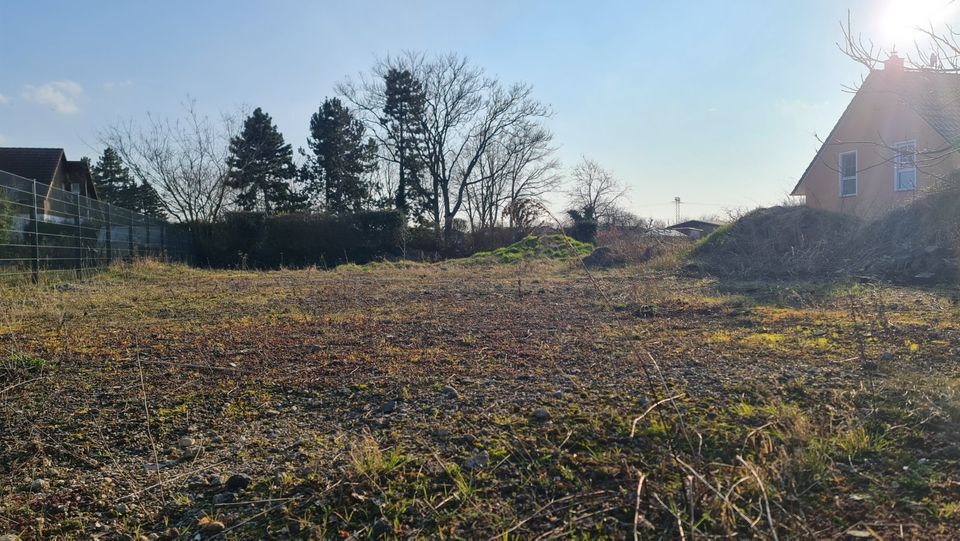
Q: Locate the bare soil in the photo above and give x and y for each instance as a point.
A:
(475, 401)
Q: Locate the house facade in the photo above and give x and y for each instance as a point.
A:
(895, 140)
(54, 175)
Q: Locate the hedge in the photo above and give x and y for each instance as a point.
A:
(255, 240)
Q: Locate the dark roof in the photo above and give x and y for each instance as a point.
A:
(694, 224)
(39, 164)
(933, 95)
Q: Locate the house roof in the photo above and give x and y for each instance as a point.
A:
(39, 164)
(933, 95)
(694, 224)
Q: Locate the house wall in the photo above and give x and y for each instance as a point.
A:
(874, 122)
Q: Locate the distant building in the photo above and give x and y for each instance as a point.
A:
(49, 166)
(54, 174)
(695, 229)
(897, 138)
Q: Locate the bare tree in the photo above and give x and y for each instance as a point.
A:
(465, 116)
(936, 49)
(184, 159)
(514, 173)
(595, 191)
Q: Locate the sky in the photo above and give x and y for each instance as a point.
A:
(717, 102)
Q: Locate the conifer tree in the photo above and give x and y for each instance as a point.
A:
(340, 155)
(115, 184)
(403, 116)
(262, 168)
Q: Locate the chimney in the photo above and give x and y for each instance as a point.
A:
(893, 63)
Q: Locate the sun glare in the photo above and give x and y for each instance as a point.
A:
(902, 17)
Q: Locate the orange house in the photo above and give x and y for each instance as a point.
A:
(897, 138)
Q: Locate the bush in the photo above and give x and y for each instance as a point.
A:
(260, 241)
(583, 230)
(6, 219)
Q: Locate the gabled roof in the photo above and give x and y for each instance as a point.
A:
(694, 224)
(933, 95)
(39, 164)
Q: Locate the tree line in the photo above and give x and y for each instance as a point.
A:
(435, 138)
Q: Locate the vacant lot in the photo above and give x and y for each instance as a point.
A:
(469, 401)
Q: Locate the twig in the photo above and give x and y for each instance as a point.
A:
(633, 427)
(15, 385)
(763, 492)
(146, 411)
(637, 517)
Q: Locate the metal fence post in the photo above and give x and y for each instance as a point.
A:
(35, 261)
(163, 240)
(109, 237)
(78, 264)
(130, 233)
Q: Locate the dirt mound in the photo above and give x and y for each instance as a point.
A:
(918, 243)
(604, 257)
(534, 247)
(777, 242)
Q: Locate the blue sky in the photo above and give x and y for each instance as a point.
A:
(714, 102)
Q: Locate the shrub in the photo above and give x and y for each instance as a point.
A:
(260, 241)
(6, 219)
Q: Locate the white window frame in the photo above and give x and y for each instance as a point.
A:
(855, 177)
(897, 169)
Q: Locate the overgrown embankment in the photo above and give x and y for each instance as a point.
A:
(918, 243)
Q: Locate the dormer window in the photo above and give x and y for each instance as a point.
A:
(905, 167)
(848, 174)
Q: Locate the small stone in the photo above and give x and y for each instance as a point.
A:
(170, 534)
(214, 480)
(388, 407)
(541, 415)
(190, 453)
(39, 484)
(450, 392)
(238, 482)
(211, 527)
(186, 442)
(887, 356)
(9, 537)
(122, 509)
(216, 439)
(381, 528)
(224, 497)
(477, 461)
(558, 394)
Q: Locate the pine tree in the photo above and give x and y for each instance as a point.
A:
(114, 183)
(149, 202)
(261, 167)
(340, 157)
(403, 115)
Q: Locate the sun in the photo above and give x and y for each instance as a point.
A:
(902, 17)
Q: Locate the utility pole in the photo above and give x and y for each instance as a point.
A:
(676, 201)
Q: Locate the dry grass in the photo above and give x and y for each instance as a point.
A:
(763, 410)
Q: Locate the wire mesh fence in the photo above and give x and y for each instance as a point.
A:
(44, 229)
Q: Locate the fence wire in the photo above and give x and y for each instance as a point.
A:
(47, 229)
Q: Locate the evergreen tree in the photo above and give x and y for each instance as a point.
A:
(340, 157)
(149, 202)
(261, 167)
(114, 183)
(403, 116)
